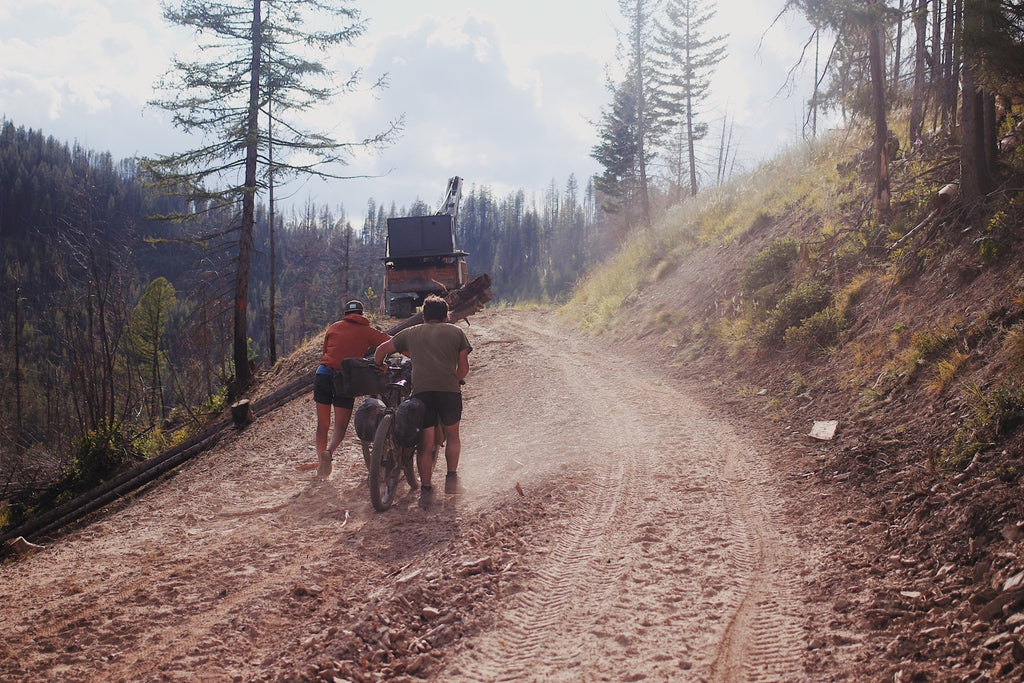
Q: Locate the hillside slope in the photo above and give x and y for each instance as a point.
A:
(916, 351)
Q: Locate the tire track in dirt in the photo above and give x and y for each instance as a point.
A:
(760, 639)
(653, 547)
(555, 600)
(671, 517)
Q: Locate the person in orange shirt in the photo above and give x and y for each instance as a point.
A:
(350, 337)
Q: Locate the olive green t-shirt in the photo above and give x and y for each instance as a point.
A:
(434, 349)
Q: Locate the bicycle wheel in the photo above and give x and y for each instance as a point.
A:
(385, 468)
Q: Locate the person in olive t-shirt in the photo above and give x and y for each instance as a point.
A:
(440, 361)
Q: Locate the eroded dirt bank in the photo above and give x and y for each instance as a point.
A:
(652, 540)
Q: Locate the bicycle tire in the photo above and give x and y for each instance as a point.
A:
(384, 467)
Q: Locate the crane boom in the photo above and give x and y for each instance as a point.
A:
(452, 198)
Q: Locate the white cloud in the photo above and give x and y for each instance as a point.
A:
(503, 93)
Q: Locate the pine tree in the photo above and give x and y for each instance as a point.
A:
(245, 55)
(146, 329)
(618, 152)
(641, 80)
(685, 61)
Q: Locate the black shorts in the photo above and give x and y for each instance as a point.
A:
(443, 405)
(323, 392)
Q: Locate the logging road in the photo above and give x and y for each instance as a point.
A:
(649, 542)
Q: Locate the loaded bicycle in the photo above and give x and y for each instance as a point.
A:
(388, 427)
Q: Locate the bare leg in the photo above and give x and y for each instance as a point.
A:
(438, 441)
(425, 456)
(323, 426)
(342, 416)
(453, 446)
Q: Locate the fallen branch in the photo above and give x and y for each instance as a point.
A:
(942, 200)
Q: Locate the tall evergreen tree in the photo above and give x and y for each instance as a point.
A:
(641, 79)
(618, 152)
(685, 59)
(248, 49)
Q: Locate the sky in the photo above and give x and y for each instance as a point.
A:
(505, 94)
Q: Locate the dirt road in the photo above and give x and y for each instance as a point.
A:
(648, 543)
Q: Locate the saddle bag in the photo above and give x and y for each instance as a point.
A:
(358, 377)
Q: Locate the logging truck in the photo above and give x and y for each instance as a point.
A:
(420, 257)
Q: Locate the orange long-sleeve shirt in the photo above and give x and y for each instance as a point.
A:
(350, 337)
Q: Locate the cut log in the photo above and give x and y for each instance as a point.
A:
(462, 303)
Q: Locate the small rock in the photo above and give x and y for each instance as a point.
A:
(475, 566)
(409, 577)
(1014, 582)
(430, 613)
(996, 640)
(939, 632)
(1017, 651)
(995, 606)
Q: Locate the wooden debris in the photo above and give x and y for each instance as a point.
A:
(22, 547)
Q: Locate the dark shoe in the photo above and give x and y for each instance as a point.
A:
(451, 483)
(426, 496)
(326, 467)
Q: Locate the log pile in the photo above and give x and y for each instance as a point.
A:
(462, 303)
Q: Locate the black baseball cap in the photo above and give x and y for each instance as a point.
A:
(354, 306)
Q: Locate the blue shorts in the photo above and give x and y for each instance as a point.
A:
(443, 405)
(323, 392)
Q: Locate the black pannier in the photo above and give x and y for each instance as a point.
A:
(359, 377)
(408, 419)
(368, 417)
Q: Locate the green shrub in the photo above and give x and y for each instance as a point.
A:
(97, 455)
(773, 265)
(805, 299)
(993, 414)
(816, 333)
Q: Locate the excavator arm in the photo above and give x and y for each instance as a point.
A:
(452, 198)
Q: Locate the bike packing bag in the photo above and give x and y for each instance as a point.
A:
(358, 377)
(408, 419)
(368, 417)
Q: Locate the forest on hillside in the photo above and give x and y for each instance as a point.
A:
(113, 317)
